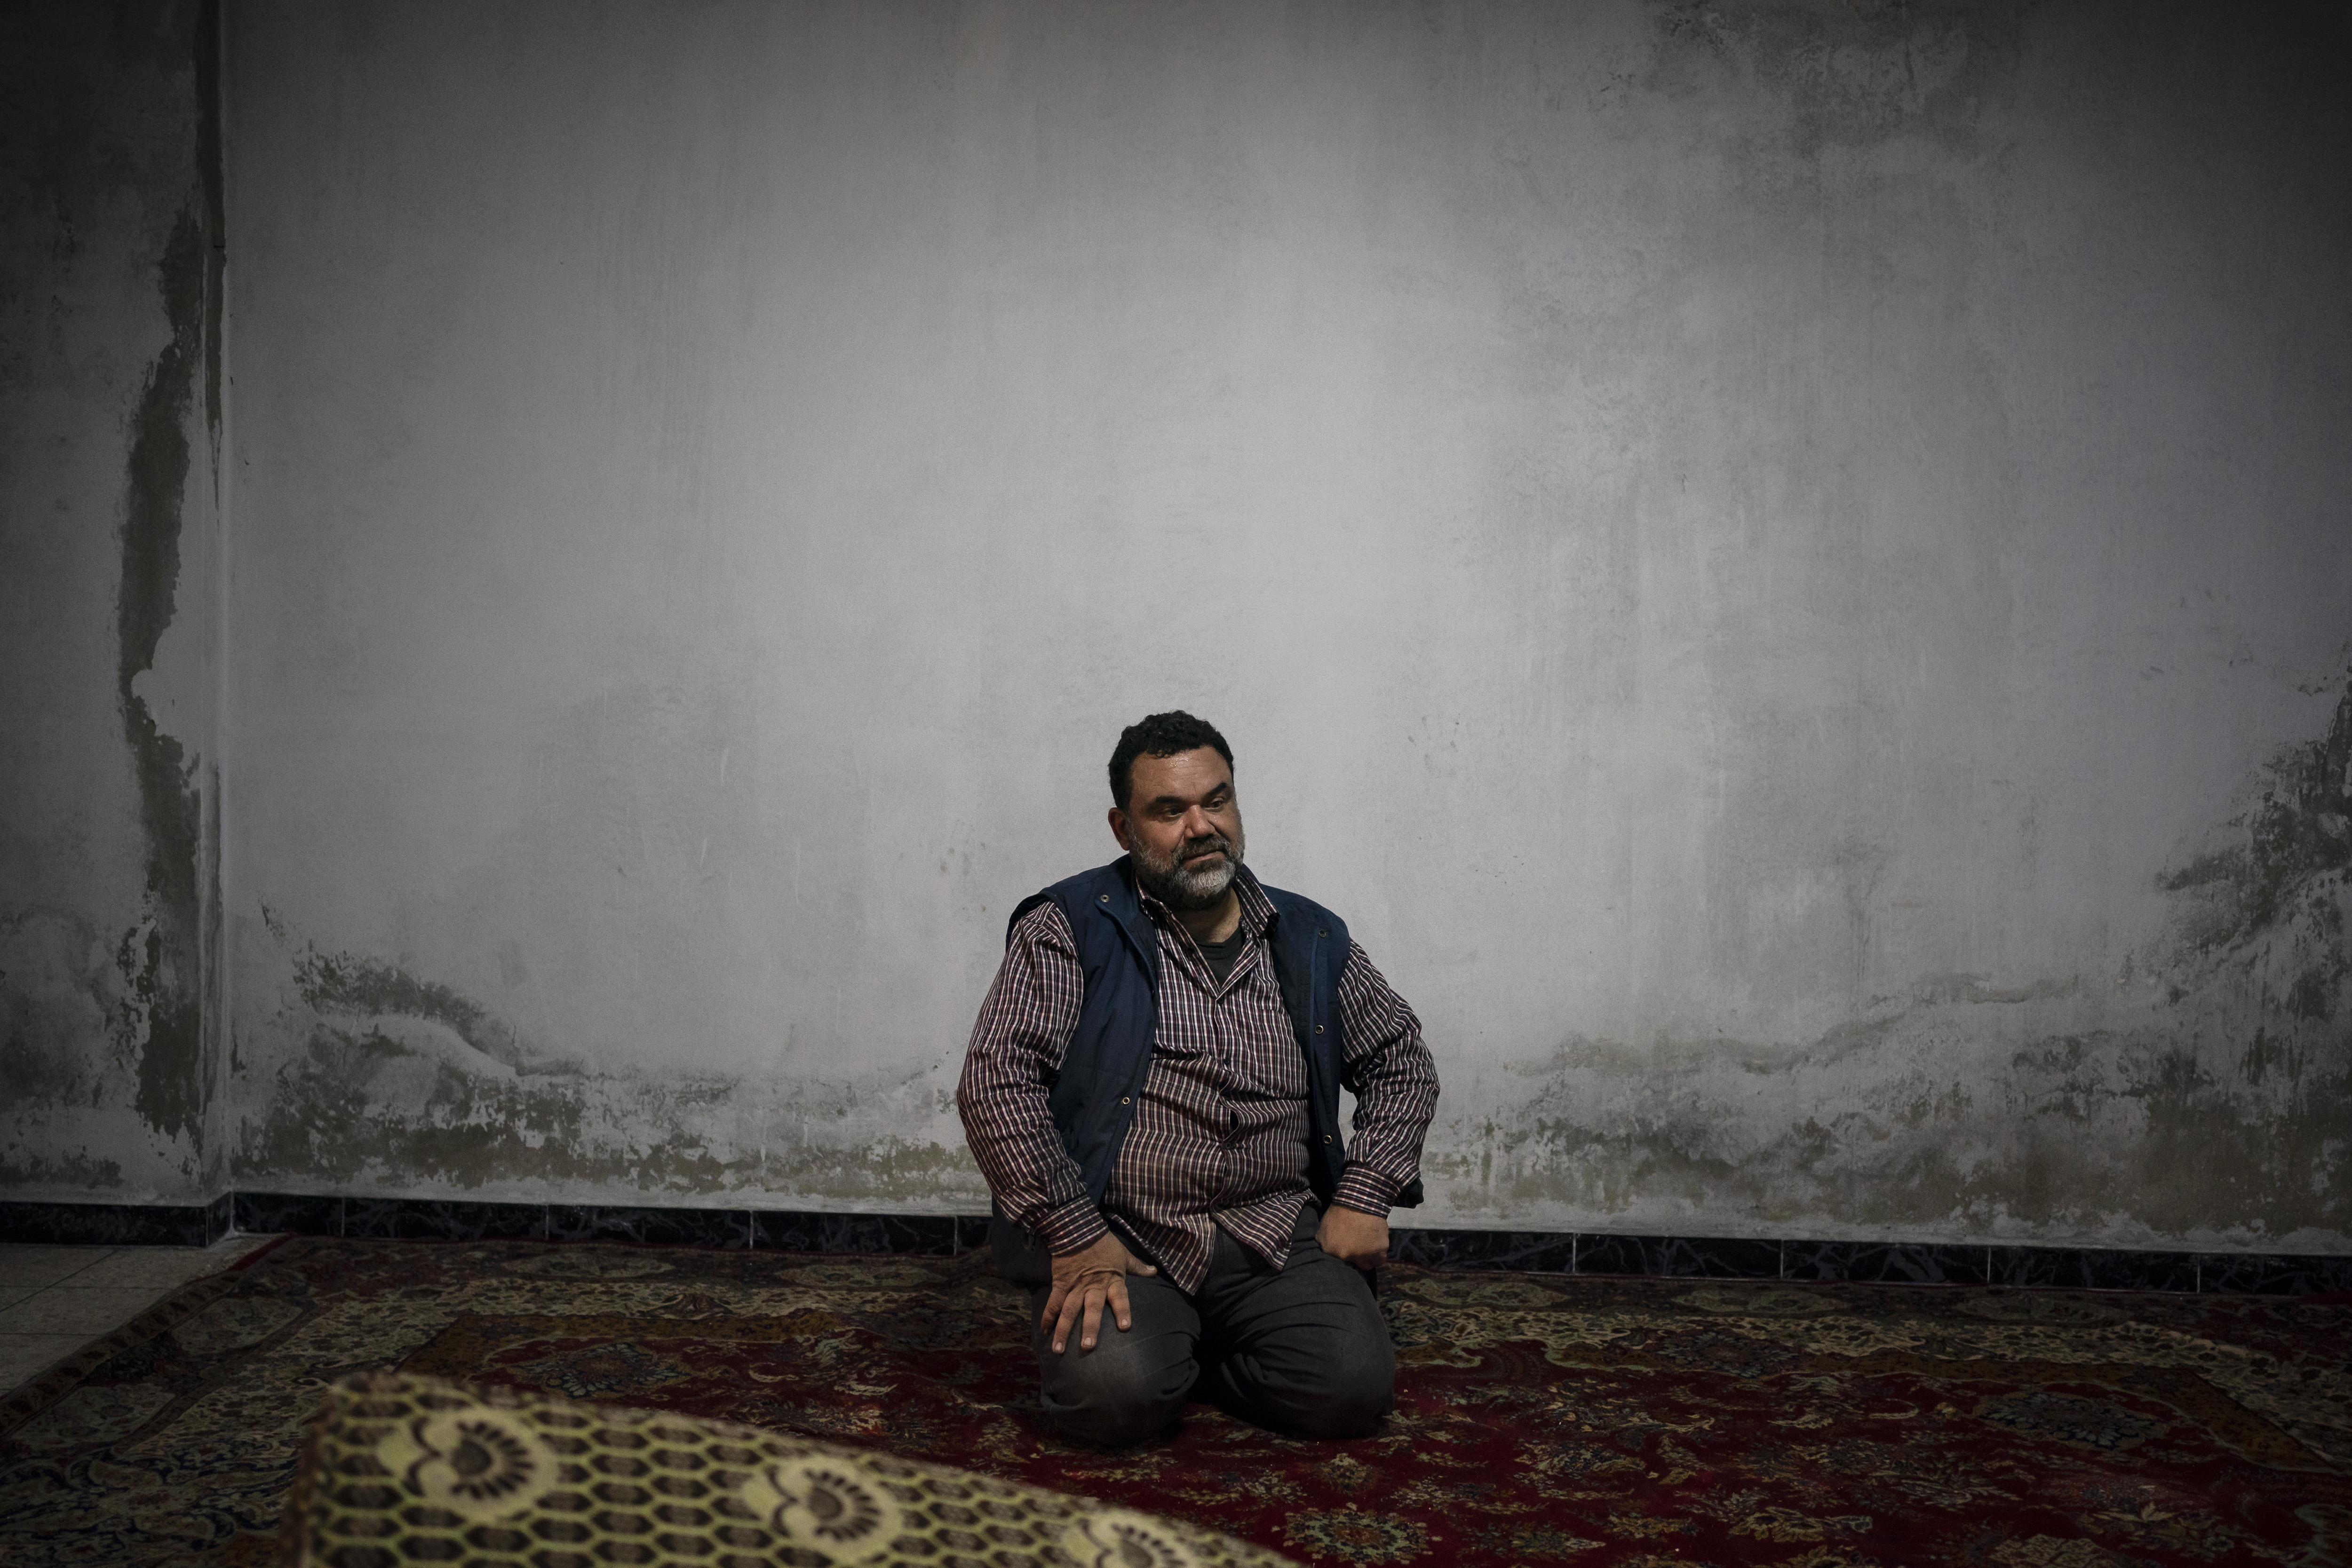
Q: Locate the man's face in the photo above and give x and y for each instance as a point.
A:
(1182, 826)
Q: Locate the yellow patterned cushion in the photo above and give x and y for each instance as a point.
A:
(415, 1469)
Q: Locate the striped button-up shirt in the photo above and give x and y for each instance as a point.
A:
(1220, 1138)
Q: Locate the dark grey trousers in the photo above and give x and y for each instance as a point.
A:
(1301, 1349)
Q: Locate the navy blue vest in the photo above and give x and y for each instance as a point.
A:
(1093, 1097)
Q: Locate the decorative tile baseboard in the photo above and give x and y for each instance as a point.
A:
(1557, 1252)
(119, 1224)
(786, 1230)
(1700, 1257)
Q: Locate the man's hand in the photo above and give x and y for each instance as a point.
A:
(1083, 1281)
(1353, 1237)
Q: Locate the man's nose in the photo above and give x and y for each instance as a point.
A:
(1198, 826)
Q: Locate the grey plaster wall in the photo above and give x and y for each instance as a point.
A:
(1783, 563)
(111, 1070)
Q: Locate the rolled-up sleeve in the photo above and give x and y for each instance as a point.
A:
(1389, 1070)
(1017, 1044)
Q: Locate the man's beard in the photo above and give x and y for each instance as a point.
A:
(1172, 885)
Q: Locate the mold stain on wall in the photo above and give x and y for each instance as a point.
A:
(163, 958)
(2256, 1091)
(106, 1045)
(389, 1081)
(2203, 1094)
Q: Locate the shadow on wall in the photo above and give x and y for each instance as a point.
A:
(2202, 1094)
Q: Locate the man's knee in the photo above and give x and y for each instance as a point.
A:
(1128, 1388)
(1133, 1384)
(1321, 1365)
(1345, 1395)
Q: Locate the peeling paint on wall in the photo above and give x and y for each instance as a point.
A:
(382, 997)
(109, 931)
(162, 956)
(2208, 1101)
(2204, 1095)
(402, 1081)
(2283, 879)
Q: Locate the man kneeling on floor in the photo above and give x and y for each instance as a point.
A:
(1152, 1091)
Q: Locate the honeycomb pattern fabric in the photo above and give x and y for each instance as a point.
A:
(411, 1469)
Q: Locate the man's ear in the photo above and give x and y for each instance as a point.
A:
(1118, 829)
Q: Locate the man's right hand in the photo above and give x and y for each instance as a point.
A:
(1083, 1282)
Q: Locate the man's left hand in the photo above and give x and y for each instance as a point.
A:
(1353, 1237)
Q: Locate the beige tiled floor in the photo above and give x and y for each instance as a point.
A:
(55, 1299)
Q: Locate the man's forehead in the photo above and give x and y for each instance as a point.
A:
(1186, 774)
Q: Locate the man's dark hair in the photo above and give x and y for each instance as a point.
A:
(1160, 735)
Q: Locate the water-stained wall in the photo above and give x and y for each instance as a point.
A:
(111, 399)
(1782, 564)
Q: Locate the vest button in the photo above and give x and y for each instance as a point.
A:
(1318, 1029)
(1122, 1100)
(1106, 898)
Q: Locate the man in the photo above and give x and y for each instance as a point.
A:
(1152, 1092)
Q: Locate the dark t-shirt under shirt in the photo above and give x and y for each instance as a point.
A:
(1222, 955)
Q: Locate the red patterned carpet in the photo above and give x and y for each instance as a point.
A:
(1540, 1420)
